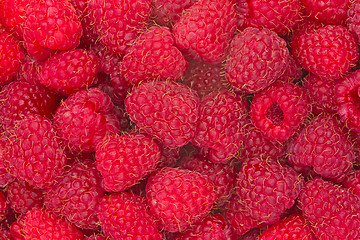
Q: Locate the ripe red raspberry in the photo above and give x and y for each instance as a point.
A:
(267, 188)
(323, 145)
(33, 152)
(279, 16)
(11, 56)
(29, 71)
(69, 71)
(84, 118)
(328, 52)
(5, 177)
(353, 20)
(333, 211)
(50, 25)
(278, 110)
(76, 194)
(22, 196)
(256, 59)
(109, 62)
(178, 198)
(222, 175)
(125, 160)
(13, 20)
(169, 157)
(205, 30)
(118, 23)
(352, 182)
(17, 228)
(328, 12)
(347, 97)
(4, 205)
(96, 237)
(166, 110)
(293, 227)
(153, 56)
(42, 224)
(293, 71)
(17, 99)
(205, 78)
(222, 116)
(125, 216)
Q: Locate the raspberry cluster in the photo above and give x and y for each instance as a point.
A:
(179, 119)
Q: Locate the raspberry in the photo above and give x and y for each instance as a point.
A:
(96, 237)
(5, 177)
(41, 223)
(153, 56)
(109, 62)
(118, 23)
(84, 118)
(125, 160)
(17, 99)
(13, 20)
(29, 71)
(205, 30)
(166, 110)
(347, 97)
(33, 152)
(178, 198)
(267, 188)
(278, 110)
(125, 216)
(169, 157)
(293, 71)
(256, 59)
(323, 145)
(4, 205)
(328, 12)
(69, 71)
(219, 129)
(50, 25)
(293, 227)
(17, 228)
(222, 175)
(23, 196)
(353, 20)
(352, 182)
(332, 211)
(11, 56)
(329, 52)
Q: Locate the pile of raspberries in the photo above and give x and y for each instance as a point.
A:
(179, 120)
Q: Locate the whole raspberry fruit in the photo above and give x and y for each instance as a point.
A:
(84, 118)
(333, 212)
(125, 216)
(328, 52)
(222, 116)
(33, 152)
(267, 188)
(69, 71)
(153, 56)
(50, 25)
(256, 59)
(41, 223)
(323, 145)
(118, 23)
(278, 111)
(178, 198)
(164, 109)
(293, 227)
(125, 160)
(205, 30)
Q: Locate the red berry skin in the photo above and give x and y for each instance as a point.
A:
(165, 110)
(17, 228)
(279, 110)
(96, 237)
(125, 160)
(28, 71)
(49, 26)
(5, 177)
(33, 152)
(84, 118)
(256, 59)
(353, 20)
(42, 224)
(352, 182)
(205, 30)
(332, 211)
(267, 188)
(13, 20)
(178, 198)
(69, 71)
(347, 97)
(328, 12)
(292, 228)
(125, 216)
(153, 56)
(4, 206)
(118, 23)
(323, 145)
(23, 197)
(76, 195)
(328, 52)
